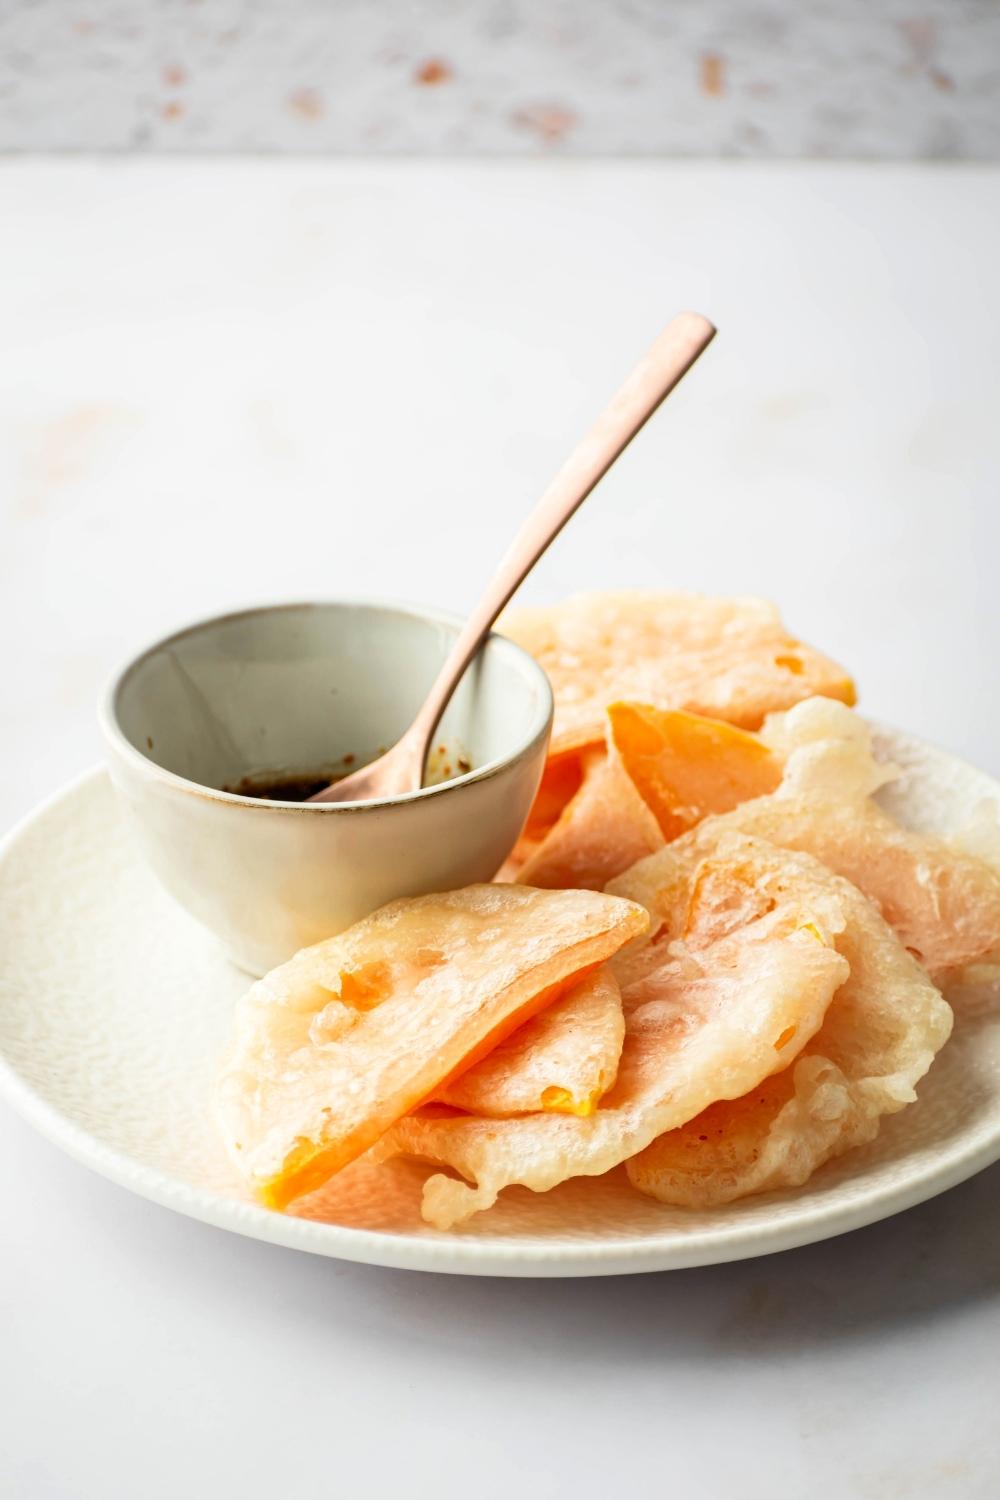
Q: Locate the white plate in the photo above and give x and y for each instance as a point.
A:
(114, 1010)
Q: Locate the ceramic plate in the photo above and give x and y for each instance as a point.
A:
(114, 1011)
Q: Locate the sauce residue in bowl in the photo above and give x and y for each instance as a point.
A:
(290, 787)
(444, 763)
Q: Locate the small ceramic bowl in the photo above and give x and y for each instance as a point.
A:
(301, 687)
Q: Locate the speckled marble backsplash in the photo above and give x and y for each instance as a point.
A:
(813, 78)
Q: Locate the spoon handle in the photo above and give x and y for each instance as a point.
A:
(653, 378)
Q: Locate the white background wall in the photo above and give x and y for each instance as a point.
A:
(814, 78)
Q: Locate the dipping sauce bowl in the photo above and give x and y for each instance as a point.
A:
(291, 689)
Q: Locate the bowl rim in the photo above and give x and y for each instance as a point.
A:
(119, 742)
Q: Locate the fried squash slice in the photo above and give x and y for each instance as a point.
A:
(335, 1045)
(736, 993)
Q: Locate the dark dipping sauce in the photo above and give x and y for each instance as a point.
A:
(299, 786)
(294, 788)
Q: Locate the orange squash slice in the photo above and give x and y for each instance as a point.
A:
(685, 766)
(604, 828)
(564, 1059)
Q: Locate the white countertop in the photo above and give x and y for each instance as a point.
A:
(225, 382)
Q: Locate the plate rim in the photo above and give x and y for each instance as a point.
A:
(480, 1256)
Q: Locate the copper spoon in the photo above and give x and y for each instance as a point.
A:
(401, 769)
